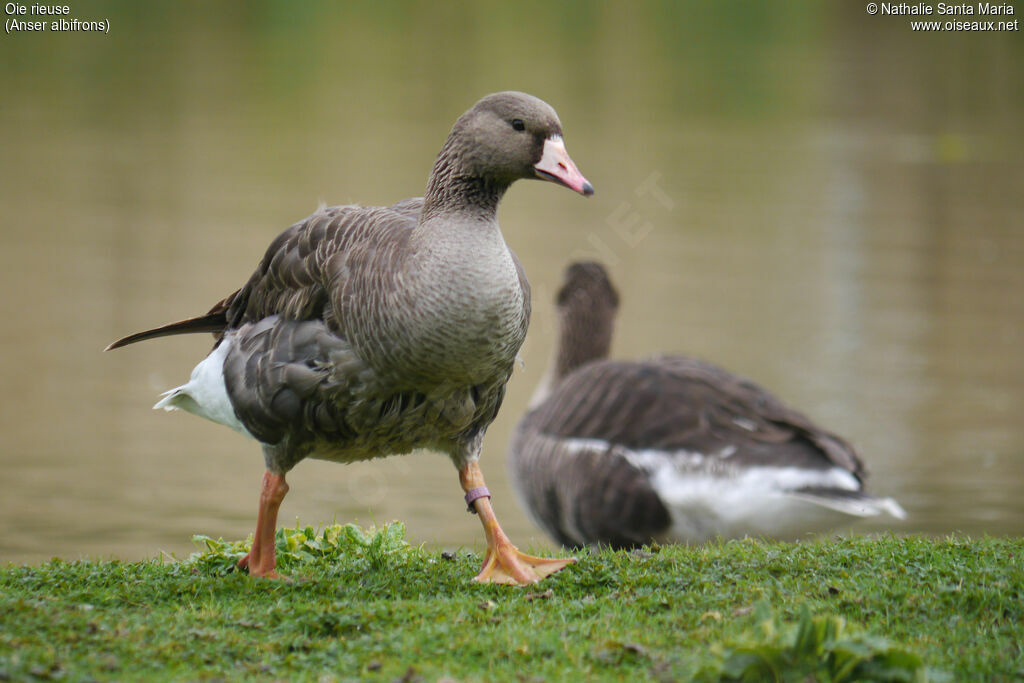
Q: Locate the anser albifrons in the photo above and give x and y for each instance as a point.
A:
(670, 449)
(370, 331)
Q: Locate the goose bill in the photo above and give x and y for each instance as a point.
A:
(556, 166)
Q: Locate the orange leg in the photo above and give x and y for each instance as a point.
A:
(503, 562)
(262, 557)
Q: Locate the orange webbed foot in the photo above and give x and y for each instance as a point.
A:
(503, 562)
(507, 565)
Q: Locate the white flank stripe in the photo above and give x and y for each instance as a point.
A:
(708, 496)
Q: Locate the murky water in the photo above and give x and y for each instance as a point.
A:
(817, 199)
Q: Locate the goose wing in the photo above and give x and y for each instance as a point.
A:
(303, 267)
(680, 404)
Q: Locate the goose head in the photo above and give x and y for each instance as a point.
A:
(504, 137)
(518, 136)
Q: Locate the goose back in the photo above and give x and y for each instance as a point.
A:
(677, 403)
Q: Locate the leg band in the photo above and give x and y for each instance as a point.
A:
(473, 494)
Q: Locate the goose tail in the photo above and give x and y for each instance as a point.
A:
(214, 322)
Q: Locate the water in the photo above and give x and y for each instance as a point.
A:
(817, 199)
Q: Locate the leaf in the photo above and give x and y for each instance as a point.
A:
(816, 647)
(306, 546)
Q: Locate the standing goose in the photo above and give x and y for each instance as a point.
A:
(370, 331)
(670, 449)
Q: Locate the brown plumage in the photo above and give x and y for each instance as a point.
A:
(370, 331)
(670, 449)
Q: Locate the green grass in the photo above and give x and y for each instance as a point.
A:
(366, 605)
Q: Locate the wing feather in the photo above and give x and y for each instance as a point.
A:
(300, 269)
(675, 403)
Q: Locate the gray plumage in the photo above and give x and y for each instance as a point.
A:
(369, 331)
(359, 339)
(622, 453)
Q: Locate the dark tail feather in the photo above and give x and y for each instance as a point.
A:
(211, 322)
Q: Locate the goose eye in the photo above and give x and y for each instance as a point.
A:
(518, 124)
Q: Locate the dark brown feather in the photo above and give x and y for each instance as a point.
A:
(293, 277)
(593, 497)
(214, 322)
(678, 403)
(321, 257)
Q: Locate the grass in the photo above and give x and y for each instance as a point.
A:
(366, 605)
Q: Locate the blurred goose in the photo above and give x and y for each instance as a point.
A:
(369, 331)
(670, 449)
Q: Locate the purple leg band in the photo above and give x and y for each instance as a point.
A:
(473, 494)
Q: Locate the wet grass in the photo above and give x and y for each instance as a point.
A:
(365, 605)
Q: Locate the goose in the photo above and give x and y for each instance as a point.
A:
(670, 449)
(372, 331)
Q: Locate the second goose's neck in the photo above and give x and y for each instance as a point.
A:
(584, 336)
